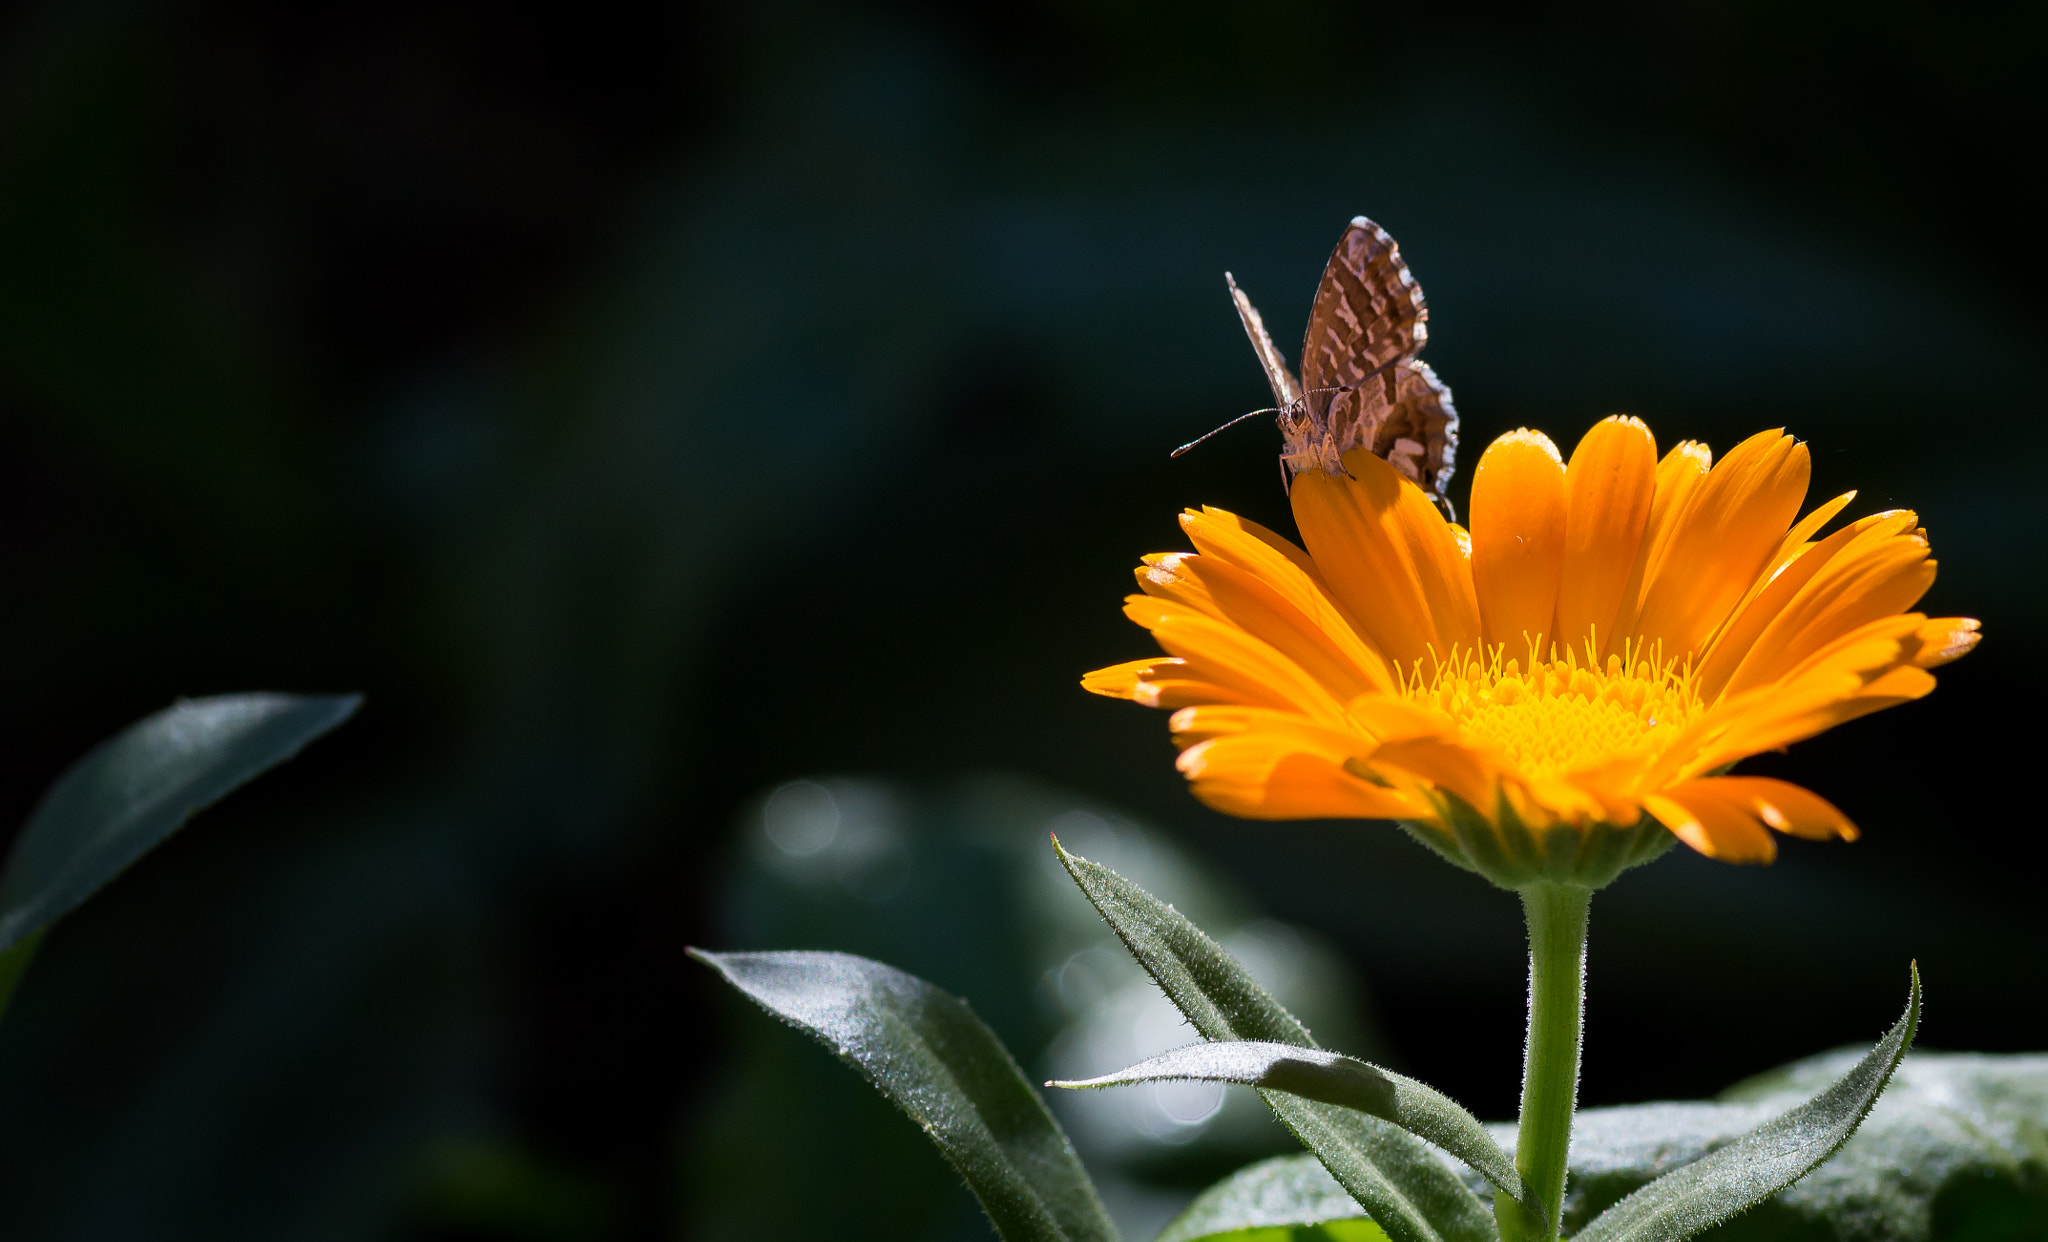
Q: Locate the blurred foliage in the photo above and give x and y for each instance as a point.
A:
(647, 407)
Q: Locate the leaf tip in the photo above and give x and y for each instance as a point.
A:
(1068, 858)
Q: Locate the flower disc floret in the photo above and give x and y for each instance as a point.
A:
(1562, 714)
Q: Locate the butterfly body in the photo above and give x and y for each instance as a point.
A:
(1361, 385)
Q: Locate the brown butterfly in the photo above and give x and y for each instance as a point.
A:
(1361, 385)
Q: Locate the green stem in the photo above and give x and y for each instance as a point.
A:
(1550, 1066)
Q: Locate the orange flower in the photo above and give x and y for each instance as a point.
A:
(1533, 699)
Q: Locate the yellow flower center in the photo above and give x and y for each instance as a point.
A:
(1563, 714)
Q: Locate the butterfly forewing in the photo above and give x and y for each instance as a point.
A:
(1368, 311)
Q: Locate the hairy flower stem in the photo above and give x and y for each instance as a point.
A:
(1550, 1065)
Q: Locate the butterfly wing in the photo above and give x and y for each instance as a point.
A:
(1418, 430)
(1368, 313)
(1285, 391)
(1360, 381)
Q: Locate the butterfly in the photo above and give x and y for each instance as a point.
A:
(1361, 385)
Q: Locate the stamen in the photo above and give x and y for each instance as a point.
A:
(1566, 712)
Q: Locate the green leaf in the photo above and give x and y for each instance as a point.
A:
(1695, 1197)
(1276, 1199)
(925, 1050)
(1333, 1078)
(138, 787)
(1955, 1150)
(1360, 1230)
(1399, 1181)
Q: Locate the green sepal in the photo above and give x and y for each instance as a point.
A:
(1333, 1078)
(925, 1050)
(1514, 855)
(1694, 1198)
(1395, 1177)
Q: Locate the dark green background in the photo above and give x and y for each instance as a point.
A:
(646, 408)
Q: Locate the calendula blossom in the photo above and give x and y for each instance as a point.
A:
(1543, 697)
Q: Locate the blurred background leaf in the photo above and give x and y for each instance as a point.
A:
(132, 791)
(651, 408)
(140, 786)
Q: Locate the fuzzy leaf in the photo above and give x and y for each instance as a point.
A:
(925, 1050)
(1695, 1197)
(138, 787)
(1399, 1181)
(1360, 1230)
(1333, 1078)
(1282, 1194)
(1956, 1150)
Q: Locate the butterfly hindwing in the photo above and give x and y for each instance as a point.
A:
(1419, 433)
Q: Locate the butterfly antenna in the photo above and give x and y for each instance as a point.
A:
(1225, 427)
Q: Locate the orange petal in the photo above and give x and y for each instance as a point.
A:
(1859, 675)
(1389, 558)
(1230, 655)
(1712, 825)
(1176, 692)
(1236, 539)
(1753, 647)
(1944, 639)
(1241, 599)
(1518, 537)
(1159, 574)
(1723, 541)
(1445, 764)
(1800, 537)
(1167, 681)
(1805, 528)
(1679, 476)
(1783, 806)
(1201, 722)
(1389, 718)
(1238, 556)
(1882, 571)
(1608, 489)
(1797, 542)
(1575, 803)
(1120, 681)
(1264, 776)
